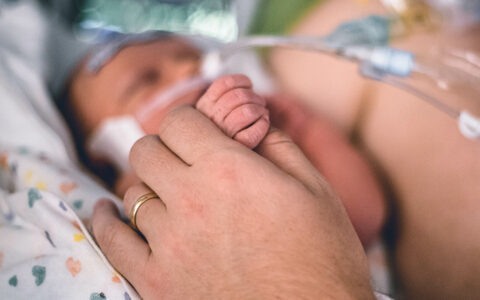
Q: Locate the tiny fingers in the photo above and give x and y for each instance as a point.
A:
(236, 109)
(254, 134)
(220, 87)
(243, 117)
(231, 101)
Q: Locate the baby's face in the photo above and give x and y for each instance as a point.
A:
(130, 79)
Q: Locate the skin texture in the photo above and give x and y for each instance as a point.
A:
(226, 226)
(242, 115)
(432, 171)
(237, 110)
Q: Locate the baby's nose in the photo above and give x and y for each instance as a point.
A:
(185, 69)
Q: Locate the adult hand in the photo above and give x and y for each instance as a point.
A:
(231, 224)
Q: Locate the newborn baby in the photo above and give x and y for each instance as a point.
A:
(140, 71)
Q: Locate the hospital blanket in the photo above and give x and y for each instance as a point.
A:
(45, 250)
(45, 199)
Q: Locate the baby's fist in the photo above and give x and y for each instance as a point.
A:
(231, 103)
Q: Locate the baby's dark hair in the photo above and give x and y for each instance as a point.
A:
(63, 102)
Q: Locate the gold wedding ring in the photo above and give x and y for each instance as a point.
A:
(136, 207)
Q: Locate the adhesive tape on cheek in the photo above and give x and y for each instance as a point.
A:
(113, 139)
(212, 66)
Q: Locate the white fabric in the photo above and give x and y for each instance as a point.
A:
(45, 250)
(28, 117)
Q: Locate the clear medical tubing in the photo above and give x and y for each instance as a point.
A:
(373, 30)
(297, 42)
(357, 54)
(381, 63)
(450, 83)
(430, 80)
(454, 113)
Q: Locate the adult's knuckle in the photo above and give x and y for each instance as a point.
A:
(129, 196)
(138, 149)
(142, 143)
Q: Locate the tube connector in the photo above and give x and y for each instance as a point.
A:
(384, 60)
(392, 61)
(212, 65)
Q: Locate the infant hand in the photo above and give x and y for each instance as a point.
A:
(233, 106)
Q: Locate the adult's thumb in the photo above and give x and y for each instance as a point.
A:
(279, 148)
